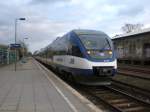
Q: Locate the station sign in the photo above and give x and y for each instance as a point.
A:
(15, 45)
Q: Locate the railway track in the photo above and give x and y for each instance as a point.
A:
(117, 100)
(133, 74)
(142, 94)
(142, 73)
(139, 69)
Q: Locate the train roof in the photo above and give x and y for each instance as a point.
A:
(147, 30)
(88, 32)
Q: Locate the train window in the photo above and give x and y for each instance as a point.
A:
(96, 41)
(73, 49)
(76, 51)
(61, 47)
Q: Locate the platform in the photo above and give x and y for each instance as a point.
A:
(33, 88)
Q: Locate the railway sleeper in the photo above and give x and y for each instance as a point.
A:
(136, 109)
(110, 96)
(116, 101)
(125, 104)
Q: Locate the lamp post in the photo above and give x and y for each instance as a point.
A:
(16, 20)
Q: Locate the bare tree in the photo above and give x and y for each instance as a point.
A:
(131, 27)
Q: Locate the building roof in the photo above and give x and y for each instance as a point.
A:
(3, 46)
(132, 33)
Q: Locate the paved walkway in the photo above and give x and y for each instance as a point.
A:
(29, 90)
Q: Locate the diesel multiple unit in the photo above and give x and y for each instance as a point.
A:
(87, 56)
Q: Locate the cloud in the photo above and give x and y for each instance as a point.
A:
(47, 19)
(131, 11)
(46, 1)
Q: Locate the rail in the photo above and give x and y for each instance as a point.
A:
(117, 100)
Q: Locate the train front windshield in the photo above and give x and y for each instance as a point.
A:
(97, 46)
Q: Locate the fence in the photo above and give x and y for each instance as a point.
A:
(7, 56)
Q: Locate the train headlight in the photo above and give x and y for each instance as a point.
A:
(110, 52)
(89, 52)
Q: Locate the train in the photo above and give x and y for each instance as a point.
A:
(83, 56)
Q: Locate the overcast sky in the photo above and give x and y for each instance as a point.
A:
(47, 19)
